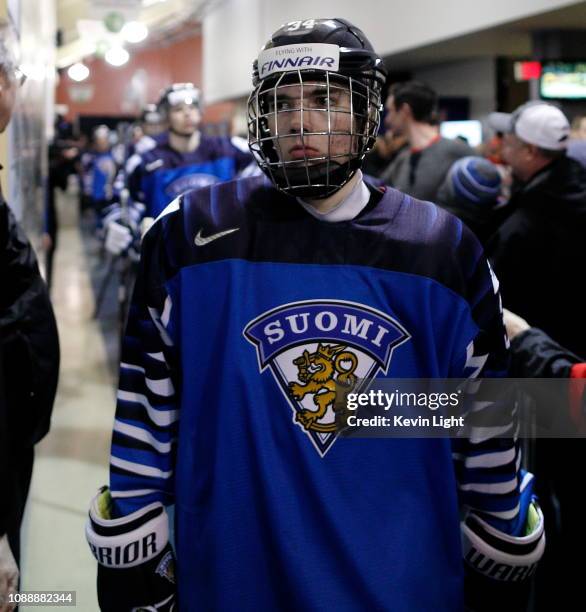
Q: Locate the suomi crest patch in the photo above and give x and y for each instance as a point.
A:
(320, 350)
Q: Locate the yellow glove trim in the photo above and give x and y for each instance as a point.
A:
(105, 504)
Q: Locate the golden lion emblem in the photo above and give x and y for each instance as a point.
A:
(323, 374)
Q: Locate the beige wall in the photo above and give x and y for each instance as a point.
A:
(234, 32)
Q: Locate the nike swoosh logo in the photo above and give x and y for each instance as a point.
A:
(201, 240)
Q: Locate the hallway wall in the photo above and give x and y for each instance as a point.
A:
(124, 90)
(23, 146)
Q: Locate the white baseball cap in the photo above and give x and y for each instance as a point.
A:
(537, 123)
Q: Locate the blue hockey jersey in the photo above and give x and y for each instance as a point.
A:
(274, 510)
(159, 174)
(98, 174)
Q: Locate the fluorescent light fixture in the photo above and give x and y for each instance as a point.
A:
(117, 56)
(134, 31)
(78, 72)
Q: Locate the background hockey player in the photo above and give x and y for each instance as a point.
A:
(182, 158)
(167, 164)
(123, 218)
(247, 291)
(152, 123)
(99, 170)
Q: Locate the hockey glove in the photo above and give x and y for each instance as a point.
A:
(498, 566)
(135, 560)
(118, 238)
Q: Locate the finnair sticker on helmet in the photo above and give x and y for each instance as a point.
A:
(320, 56)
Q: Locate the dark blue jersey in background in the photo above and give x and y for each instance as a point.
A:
(160, 174)
(98, 174)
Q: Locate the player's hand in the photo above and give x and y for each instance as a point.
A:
(118, 238)
(514, 323)
(8, 575)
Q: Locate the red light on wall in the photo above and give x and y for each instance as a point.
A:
(527, 71)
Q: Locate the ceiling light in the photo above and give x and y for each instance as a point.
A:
(117, 56)
(78, 72)
(134, 31)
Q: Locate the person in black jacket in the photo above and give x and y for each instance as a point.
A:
(534, 354)
(538, 253)
(29, 353)
(63, 154)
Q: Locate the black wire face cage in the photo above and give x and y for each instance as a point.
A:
(309, 130)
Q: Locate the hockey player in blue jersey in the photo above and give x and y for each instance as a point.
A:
(122, 222)
(165, 165)
(143, 132)
(253, 296)
(181, 158)
(99, 169)
(152, 122)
